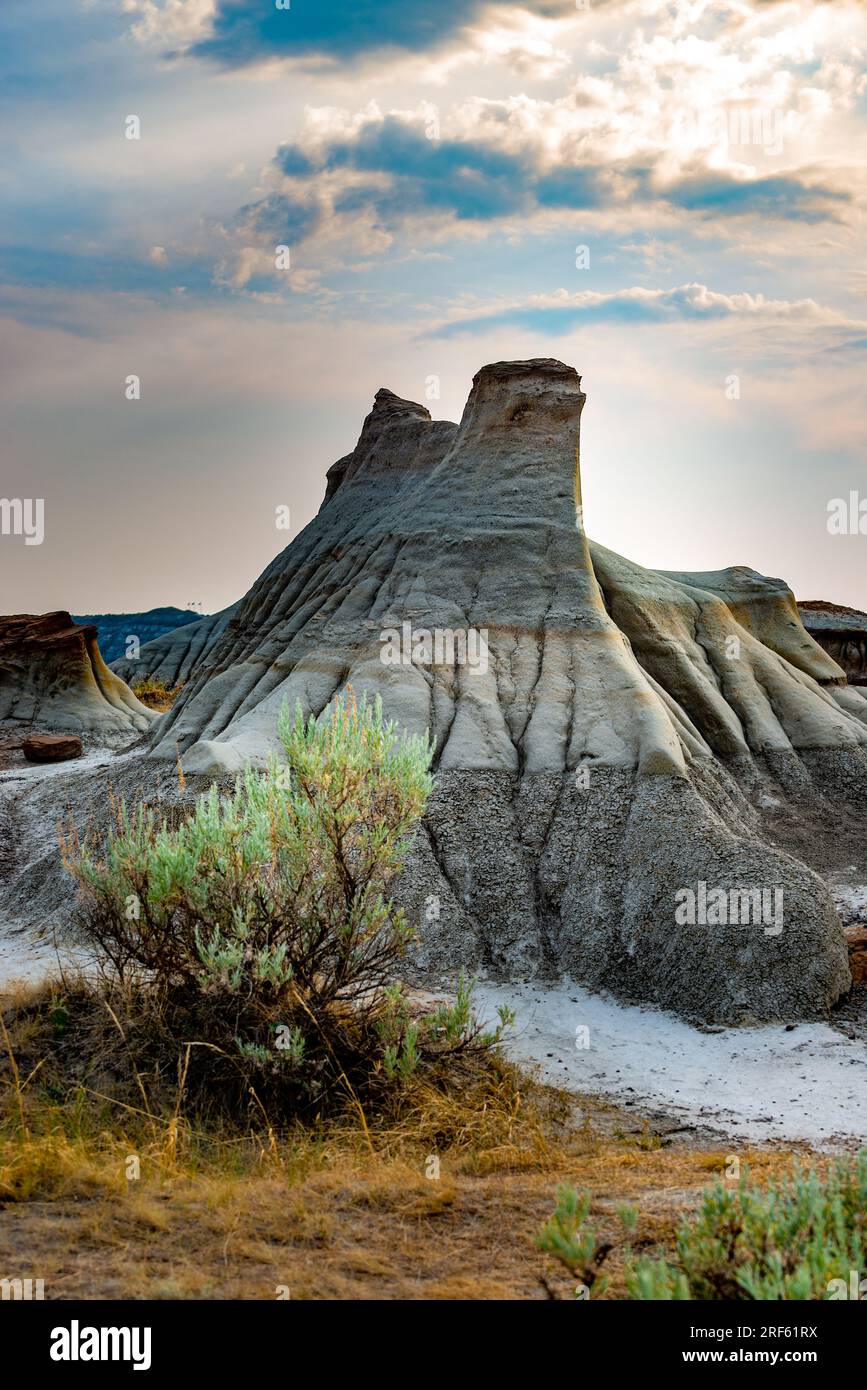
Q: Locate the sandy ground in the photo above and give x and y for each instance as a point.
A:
(27, 954)
(806, 1082)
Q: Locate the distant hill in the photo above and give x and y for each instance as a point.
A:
(114, 629)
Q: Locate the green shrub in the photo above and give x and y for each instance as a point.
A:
(260, 929)
(789, 1240)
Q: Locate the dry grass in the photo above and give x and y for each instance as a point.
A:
(324, 1219)
(155, 694)
(318, 1214)
(102, 1199)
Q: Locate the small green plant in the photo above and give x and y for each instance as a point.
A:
(789, 1240)
(572, 1241)
(445, 1030)
(795, 1239)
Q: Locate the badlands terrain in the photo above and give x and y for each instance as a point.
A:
(625, 759)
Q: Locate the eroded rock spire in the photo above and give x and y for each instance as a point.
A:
(609, 750)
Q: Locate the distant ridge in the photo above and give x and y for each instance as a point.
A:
(175, 654)
(113, 629)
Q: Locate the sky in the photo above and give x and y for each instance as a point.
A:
(668, 196)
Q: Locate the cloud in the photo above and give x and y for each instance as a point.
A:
(243, 32)
(170, 23)
(240, 33)
(779, 196)
(499, 161)
(408, 171)
(280, 218)
(561, 312)
(641, 137)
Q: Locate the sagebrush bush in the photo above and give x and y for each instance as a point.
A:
(797, 1238)
(260, 932)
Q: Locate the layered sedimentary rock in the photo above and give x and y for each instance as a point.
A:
(842, 632)
(53, 679)
(174, 656)
(603, 732)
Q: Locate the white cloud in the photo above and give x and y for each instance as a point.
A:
(170, 23)
(637, 304)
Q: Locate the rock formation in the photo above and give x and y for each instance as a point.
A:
(53, 679)
(51, 748)
(604, 733)
(175, 655)
(842, 632)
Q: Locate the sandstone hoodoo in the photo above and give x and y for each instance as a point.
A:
(53, 679)
(606, 734)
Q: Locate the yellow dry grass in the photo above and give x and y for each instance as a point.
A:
(317, 1215)
(103, 1199)
(156, 694)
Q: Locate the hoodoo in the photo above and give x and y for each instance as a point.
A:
(610, 754)
(53, 678)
